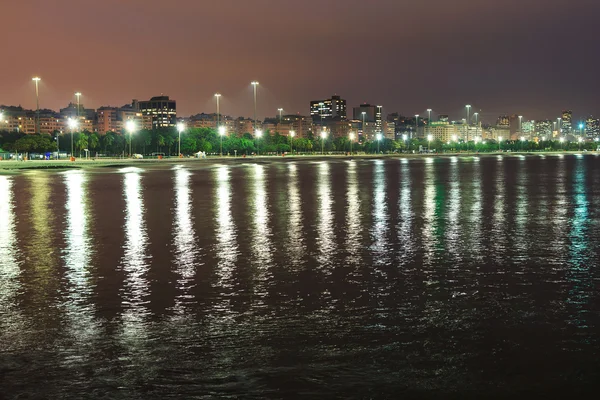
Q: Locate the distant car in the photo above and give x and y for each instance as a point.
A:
(138, 156)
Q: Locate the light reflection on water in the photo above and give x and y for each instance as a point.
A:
(11, 322)
(422, 275)
(184, 240)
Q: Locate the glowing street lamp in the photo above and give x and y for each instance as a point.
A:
(500, 143)
(323, 137)
(429, 137)
(254, 85)
(378, 137)
(292, 134)
(580, 139)
(280, 116)
(429, 120)
(218, 97)
(351, 137)
(364, 113)
(130, 126)
(78, 96)
(180, 128)
(37, 101)
(221, 134)
(258, 135)
(468, 107)
(72, 126)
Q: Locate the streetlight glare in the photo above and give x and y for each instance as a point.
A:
(292, 133)
(522, 139)
(181, 127)
(254, 83)
(130, 126)
(222, 130)
(351, 135)
(323, 134)
(429, 137)
(499, 138)
(36, 79)
(378, 136)
(258, 133)
(72, 123)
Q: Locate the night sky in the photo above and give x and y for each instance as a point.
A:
(533, 57)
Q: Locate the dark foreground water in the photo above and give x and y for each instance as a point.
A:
(468, 277)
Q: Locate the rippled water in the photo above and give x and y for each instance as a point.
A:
(347, 279)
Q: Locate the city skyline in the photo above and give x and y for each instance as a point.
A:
(500, 65)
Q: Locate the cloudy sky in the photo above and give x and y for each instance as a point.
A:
(532, 57)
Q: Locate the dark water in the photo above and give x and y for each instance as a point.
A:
(471, 277)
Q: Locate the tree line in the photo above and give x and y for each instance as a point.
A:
(166, 141)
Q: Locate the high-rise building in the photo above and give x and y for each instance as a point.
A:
(328, 109)
(161, 109)
(592, 127)
(543, 128)
(503, 121)
(566, 123)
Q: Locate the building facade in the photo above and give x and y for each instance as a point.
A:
(161, 109)
(328, 109)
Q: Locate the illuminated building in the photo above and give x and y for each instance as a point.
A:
(566, 123)
(328, 109)
(543, 128)
(161, 109)
(592, 127)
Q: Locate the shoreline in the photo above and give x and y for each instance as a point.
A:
(14, 166)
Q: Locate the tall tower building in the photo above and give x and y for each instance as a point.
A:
(328, 109)
(567, 122)
(161, 109)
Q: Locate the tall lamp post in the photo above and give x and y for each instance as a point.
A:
(221, 134)
(351, 138)
(254, 85)
(364, 114)
(72, 125)
(476, 124)
(37, 102)
(416, 125)
(468, 107)
(218, 96)
(78, 96)
(579, 139)
(429, 120)
(180, 128)
(323, 136)
(405, 138)
(429, 143)
(292, 134)
(378, 140)
(280, 116)
(130, 126)
(500, 143)
(258, 135)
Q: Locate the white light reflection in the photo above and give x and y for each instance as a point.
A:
(453, 237)
(430, 223)
(522, 241)
(261, 240)
(380, 230)
(226, 246)
(354, 230)
(404, 228)
(184, 238)
(475, 214)
(499, 238)
(79, 309)
(10, 322)
(296, 245)
(325, 231)
(135, 262)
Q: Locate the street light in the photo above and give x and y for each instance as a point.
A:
(292, 134)
(580, 140)
(404, 139)
(476, 123)
(561, 140)
(522, 143)
(500, 143)
(72, 125)
(429, 137)
(351, 137)
(218, 97)
(180, 128)
(78, 95)
(468, 107)
(416, 125)
(280, 111)
(130, 126)
(378, 139)
(257, 134)
(37, 101)
(221, 134)
(364, 113)
(581, 129)
(254, 84)
(323, 136)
